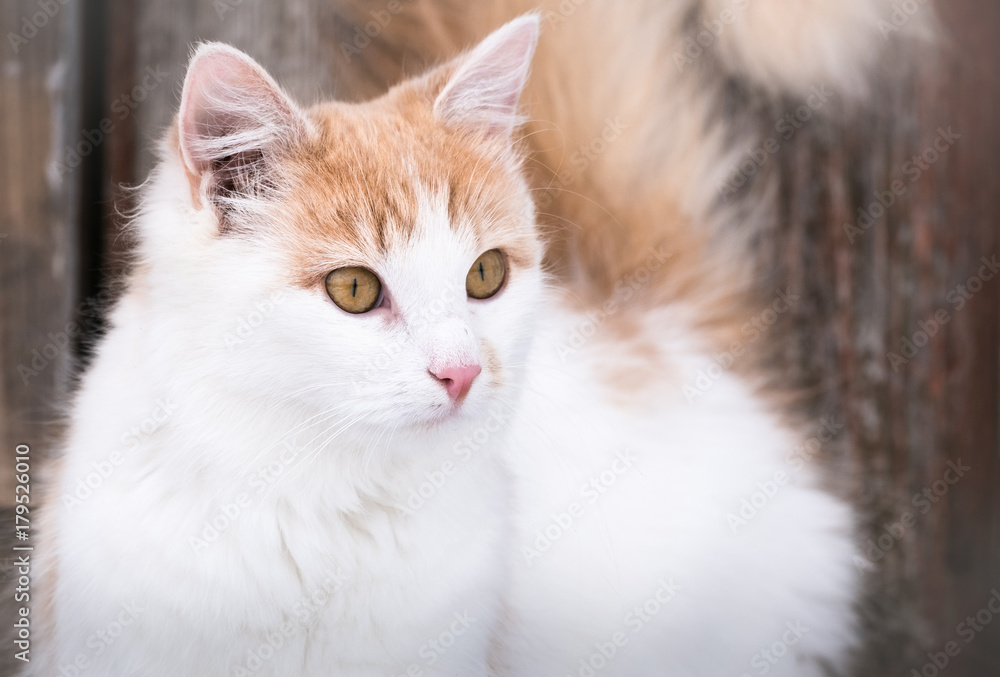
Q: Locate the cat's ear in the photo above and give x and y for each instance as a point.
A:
(234, 119)
(484, 90)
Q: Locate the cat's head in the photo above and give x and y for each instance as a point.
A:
(377, 262)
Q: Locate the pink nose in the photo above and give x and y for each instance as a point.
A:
(457, 380)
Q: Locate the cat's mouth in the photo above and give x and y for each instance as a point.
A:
(450, 411)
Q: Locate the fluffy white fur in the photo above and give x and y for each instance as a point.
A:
(339, 521)
(669, 518)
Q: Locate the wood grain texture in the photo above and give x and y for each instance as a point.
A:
(38, 218)
(864, 298)
(120, 152)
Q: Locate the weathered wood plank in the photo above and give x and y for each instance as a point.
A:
(38, 215)
(870, 297)
(121, 146)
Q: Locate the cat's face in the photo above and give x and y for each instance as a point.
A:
(397, 227)
(377, 263)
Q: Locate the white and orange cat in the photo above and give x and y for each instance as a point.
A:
(344, 421)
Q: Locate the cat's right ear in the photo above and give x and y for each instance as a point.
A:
(234, 119)
(483, 92)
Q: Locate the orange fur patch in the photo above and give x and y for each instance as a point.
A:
(354, 188)
(491, 363)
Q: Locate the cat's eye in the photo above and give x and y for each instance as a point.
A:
(486, 275)
(354, 289)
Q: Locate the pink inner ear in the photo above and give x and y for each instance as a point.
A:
(484, 91)
(229, 106)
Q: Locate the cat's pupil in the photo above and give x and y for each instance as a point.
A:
(482, 273)
(354, 288)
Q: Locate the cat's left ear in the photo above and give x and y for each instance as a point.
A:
(234, 119)
(483, 92)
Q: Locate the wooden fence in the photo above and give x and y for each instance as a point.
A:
(88, 85)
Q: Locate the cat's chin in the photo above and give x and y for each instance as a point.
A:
(447, 415)
(453, 414)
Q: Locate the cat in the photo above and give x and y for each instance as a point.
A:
(328, 321)
(358, 413)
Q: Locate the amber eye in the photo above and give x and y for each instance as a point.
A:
(356, 290)
(486, 275)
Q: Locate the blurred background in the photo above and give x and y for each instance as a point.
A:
(897, 335)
